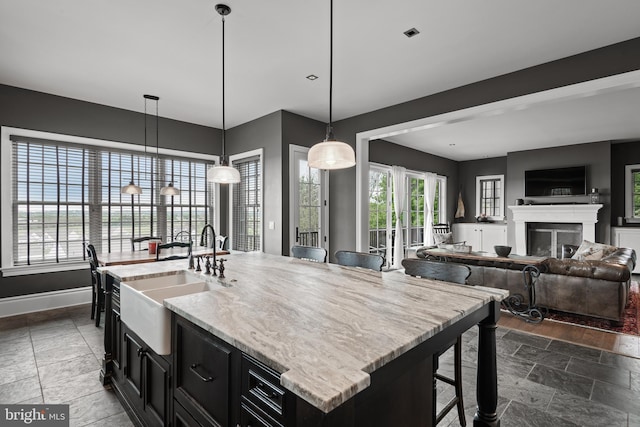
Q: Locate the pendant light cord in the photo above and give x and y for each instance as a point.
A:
(223, 161)
(330, 125)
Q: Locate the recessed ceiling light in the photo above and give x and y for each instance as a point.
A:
(312, 77)
(411, 32)
(452, 145)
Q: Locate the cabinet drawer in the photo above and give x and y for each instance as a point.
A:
(202, 374)
(250, 417)
(261, 386)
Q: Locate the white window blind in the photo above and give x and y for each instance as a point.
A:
(247, 196)
(66, 194)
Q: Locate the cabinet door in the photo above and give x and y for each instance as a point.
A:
(156, 388)
(492, 235)
(467, 233)
(628, 238)
(201, 375)
(133, 353)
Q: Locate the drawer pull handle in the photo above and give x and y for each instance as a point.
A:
(261, 388)
(193, 367)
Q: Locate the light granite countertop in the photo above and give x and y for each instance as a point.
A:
(324, 327)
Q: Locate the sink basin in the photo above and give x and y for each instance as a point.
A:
(142, 309)
(180, 278)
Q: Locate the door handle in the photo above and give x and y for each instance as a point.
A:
(297, 235)
(206, 379)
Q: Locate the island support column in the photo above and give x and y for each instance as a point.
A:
(487, 384)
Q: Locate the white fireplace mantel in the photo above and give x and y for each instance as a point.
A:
(587, 215)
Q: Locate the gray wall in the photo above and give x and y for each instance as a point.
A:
(266, 133)
(469, 170)
(607, 61)
(274, 133)
(596, 156)
(27, 109)
(302, 131)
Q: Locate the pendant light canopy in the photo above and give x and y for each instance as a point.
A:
(223, 174)
(331, 154)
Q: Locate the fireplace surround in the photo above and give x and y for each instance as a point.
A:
(584, 214)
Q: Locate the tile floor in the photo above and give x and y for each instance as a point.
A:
(54, 357)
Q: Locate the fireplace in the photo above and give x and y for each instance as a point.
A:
(581, 215)
(546, 239)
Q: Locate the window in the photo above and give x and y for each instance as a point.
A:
(379, 209)
(382, 217)
(490, 196)
(65, 191)
(247, 203)
(632, 193)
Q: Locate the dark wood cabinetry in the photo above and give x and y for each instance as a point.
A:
(115, 335)
(145, 381)
(264, 400)
(204, 371)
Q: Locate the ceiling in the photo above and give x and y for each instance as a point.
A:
(112, 52)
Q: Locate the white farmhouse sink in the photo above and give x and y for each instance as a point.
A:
(142, 309)
(179, 278)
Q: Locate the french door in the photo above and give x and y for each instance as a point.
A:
(308, 208)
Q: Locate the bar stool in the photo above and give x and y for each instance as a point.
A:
(449, 272)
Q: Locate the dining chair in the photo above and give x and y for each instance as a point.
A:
(140, 240)
(97, 293)
(448, 272)
(441, 228)
(221, 242)
(360, 259)
(311, 253)
(170, 245)
(182, 236)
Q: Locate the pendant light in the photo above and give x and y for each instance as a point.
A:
(131, 188)
(169, 190)
(223, 174)
(331, 154)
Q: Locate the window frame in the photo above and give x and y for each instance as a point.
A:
(479, 180)
(629, 170)
(238, 158)
(8, 267)
(406, 210)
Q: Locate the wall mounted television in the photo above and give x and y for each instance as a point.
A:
(570, 181)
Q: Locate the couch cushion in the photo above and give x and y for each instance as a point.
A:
(593, 251)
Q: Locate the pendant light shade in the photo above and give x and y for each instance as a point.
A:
(170, 190)
(131, 189)
(223, 173)
(331, 154)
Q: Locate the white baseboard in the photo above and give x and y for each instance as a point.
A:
(23, 304)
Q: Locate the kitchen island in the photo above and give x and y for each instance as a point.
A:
(345, 346)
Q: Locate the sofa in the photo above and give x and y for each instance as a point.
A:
(595, 285)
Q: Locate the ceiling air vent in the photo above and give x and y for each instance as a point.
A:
(411, 32)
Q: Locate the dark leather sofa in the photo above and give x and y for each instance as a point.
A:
(593, 288)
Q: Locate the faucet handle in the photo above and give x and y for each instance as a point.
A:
(221, 267)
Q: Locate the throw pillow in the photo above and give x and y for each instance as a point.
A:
(589, 251)
(443, 238)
